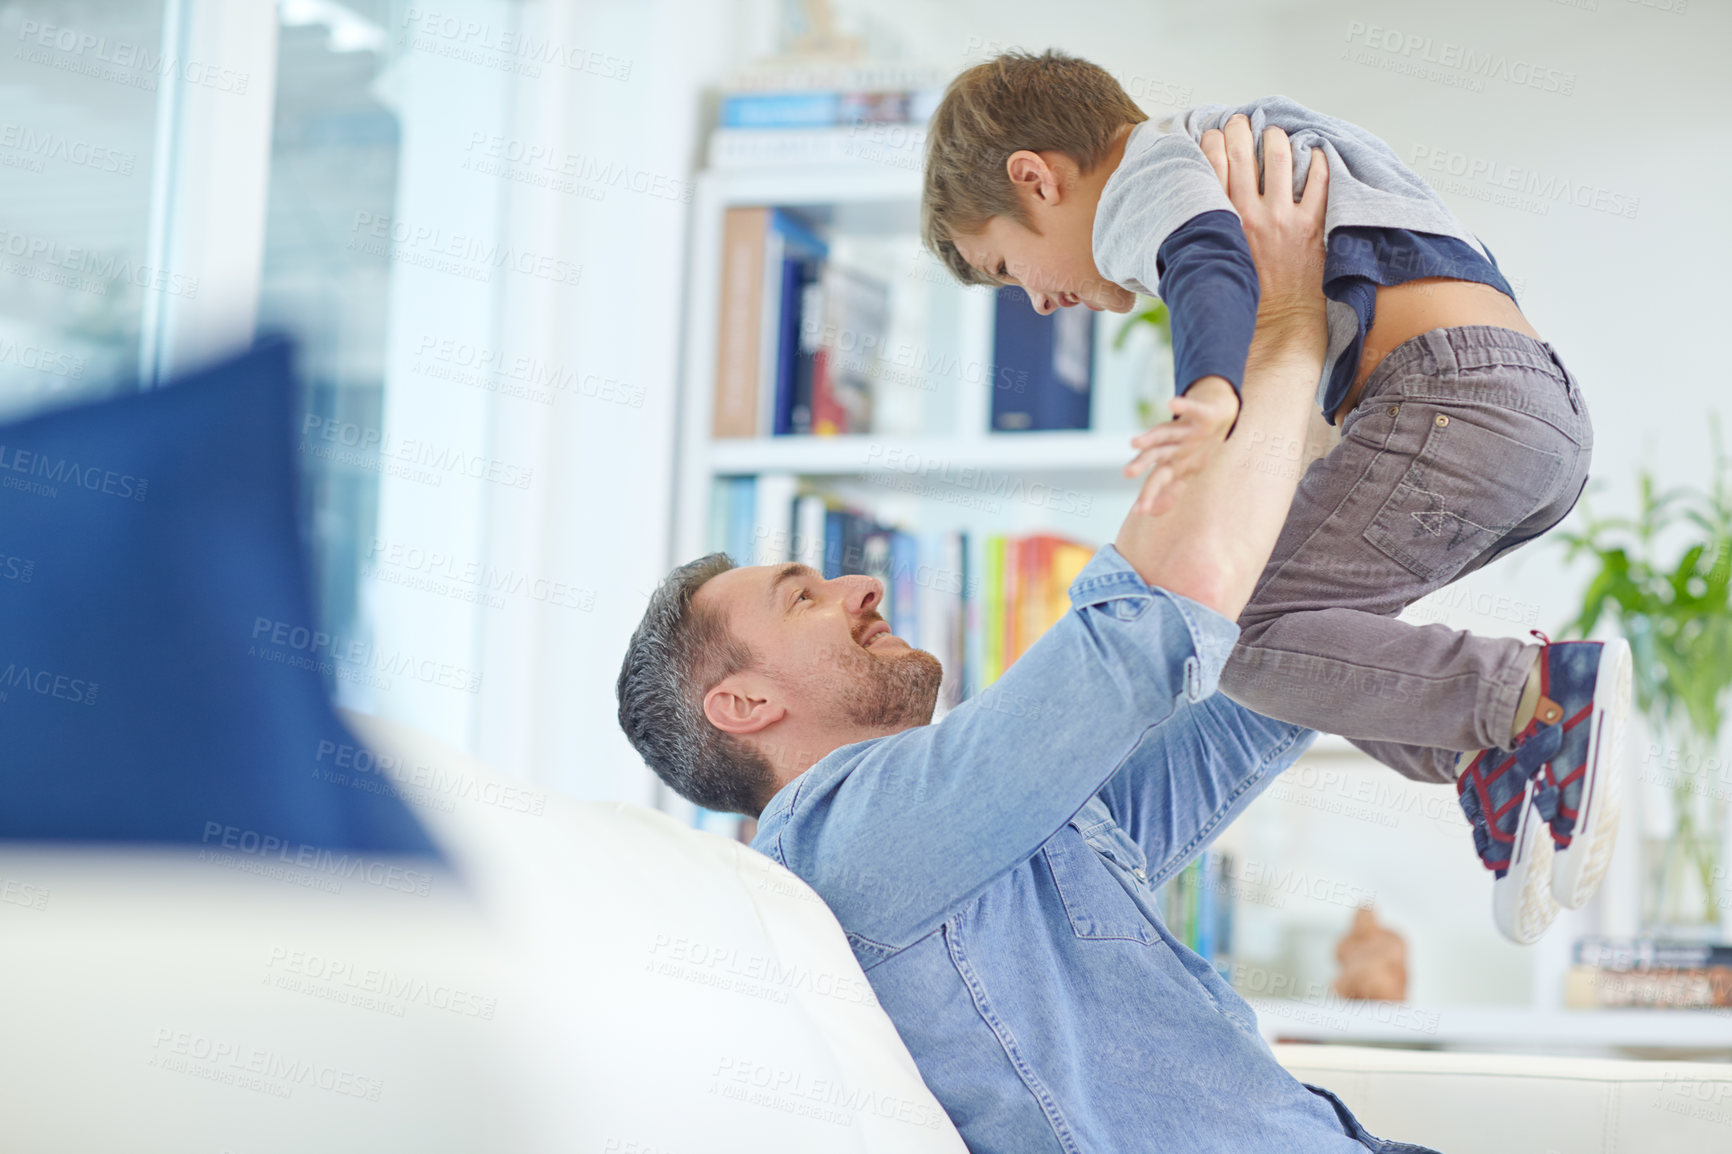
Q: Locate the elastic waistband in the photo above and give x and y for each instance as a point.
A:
(1444, 352)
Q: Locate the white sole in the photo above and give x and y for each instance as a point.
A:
(1521, 901)
(1578, 870)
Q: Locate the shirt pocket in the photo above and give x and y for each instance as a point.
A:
(1464, 490)
(1083, 858)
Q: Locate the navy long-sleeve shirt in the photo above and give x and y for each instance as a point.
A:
(1164, 226)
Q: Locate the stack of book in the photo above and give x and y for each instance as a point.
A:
(1024, 592)
(1649, 973)
(799, 335)
(845, 115)
(1197, 905)
(804, 343)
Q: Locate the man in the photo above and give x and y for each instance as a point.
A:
(995, 872)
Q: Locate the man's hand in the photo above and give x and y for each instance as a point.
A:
(1201, 420)
(1286, 242)
(1214, 541)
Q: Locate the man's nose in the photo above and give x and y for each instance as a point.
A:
(862, 594)
(1042, 302)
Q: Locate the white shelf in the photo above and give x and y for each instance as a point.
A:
(1504, 1027)
(939, 459)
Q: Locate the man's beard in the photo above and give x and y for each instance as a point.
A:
(891, 690)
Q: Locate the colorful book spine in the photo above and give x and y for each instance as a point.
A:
(794, 256)
(991, 624)
(1197, 904)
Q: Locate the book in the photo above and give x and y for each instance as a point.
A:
(806, 358)
(793, 255)
(845, 533)
(721, 497)
(772, 519)
(943, 597)
(904, 615)
(1042, 366)
(849, 334)
(742, 517)
(739, 335)
(1027, 583)
(991, 615)
(1650, 953)
(875, 562)
(1197, 904)
(825, 108)
(1700, 988)
(808, 542)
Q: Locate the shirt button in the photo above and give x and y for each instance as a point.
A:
(1139, 874)
(1394, 409)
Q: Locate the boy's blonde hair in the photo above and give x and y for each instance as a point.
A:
(1012, 102)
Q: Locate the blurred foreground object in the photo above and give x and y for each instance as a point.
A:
(224, 924)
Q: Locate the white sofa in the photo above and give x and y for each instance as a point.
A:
(590, 978)
(1517, 1104)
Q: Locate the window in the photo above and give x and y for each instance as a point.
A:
(80, 259)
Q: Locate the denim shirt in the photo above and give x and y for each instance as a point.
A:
(995, 875)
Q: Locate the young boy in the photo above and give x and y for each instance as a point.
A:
(1463, 435)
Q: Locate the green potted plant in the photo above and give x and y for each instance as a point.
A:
(1663, 578)
(1156, 383)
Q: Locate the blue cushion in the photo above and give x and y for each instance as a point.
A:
(157, 655)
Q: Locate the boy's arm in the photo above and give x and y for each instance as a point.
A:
(1213, 543)
(1209, 283)
(1173, 203)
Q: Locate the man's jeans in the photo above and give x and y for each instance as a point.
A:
(1467, 443)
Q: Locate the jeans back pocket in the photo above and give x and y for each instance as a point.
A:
(1465, 489)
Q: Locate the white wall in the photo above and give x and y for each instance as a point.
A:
(598, 517)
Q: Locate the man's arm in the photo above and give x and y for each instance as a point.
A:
(1219, 526)
(899, 832)
(1196, 775)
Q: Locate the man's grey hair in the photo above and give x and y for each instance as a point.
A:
(677, 655)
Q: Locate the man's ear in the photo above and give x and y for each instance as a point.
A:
(1035, 178)
(743, 703)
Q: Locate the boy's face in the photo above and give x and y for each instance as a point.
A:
(1051, 257)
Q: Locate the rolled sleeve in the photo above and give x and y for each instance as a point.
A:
(1108, 579)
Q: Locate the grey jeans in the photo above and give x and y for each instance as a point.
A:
(1467, 443)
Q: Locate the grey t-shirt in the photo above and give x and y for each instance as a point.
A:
(1165, 180)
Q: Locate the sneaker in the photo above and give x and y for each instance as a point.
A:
(1496, 788)
(1581, 719)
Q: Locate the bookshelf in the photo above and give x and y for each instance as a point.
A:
(1078, 455)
